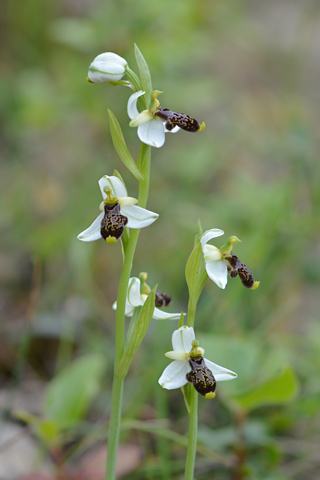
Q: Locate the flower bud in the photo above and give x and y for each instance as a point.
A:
(107, 67)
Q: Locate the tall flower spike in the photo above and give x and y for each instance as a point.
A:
(189, 365)
(220, 262)
(154, 123)
(137, 294)
(119, 211)
(107, 67)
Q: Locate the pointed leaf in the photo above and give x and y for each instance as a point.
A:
(137, 333)
(277, 391)
(144, 75)
(121, 147)
(194, 269)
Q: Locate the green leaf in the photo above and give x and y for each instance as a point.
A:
(121, 147)
(144, 75)
(194, 270)
(278, 390)
(137, 331)
(69, 394)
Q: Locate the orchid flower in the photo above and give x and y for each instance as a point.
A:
(154, 123)
(221, 261)
(137, 294)
(189, 365)
(119, 211)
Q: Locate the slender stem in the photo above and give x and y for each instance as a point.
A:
(193, 398)
(117, 386)
(192, 439)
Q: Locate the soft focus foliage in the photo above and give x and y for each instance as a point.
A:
(250, 70)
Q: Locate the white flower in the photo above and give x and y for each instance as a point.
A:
(220, 262)
(114, 194)
(107, 67)
(185, 353)
(151, 129)
(136, 299)
(216, 266)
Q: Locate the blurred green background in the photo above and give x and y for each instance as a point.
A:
(250, 70)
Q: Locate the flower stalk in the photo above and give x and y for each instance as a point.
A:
(143, 165)
(193, 435)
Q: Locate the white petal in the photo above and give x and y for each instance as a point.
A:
(211, 253)
(112, 58)
(141, 118)
(127, 201)
(174, 130)
(93, 232)
(160, 315)
(129, 309)
(152, 133)
(103, 72)
(218, 272)
(133, 295)
(107, 67)
(138, 217)
(182, 339)
(175, 355)
(220, 373)
(132, 104)
(209, 234)
(117, 187)
(174, 375)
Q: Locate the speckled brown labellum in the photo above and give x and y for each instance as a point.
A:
(175, 119)
(113, 223)
(236, 267)
(200, 376)
(162, 299)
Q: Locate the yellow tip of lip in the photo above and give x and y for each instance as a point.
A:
(111, 240)
(255, 285)
(202, 127)
(88, 80)
(210, 395)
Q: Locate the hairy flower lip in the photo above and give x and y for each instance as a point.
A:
(137, 217)
(174, 375)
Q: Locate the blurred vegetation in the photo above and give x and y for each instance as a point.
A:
(250, 70)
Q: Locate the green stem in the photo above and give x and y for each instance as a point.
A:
(192, 439)
(193, 398)
(143, 164)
